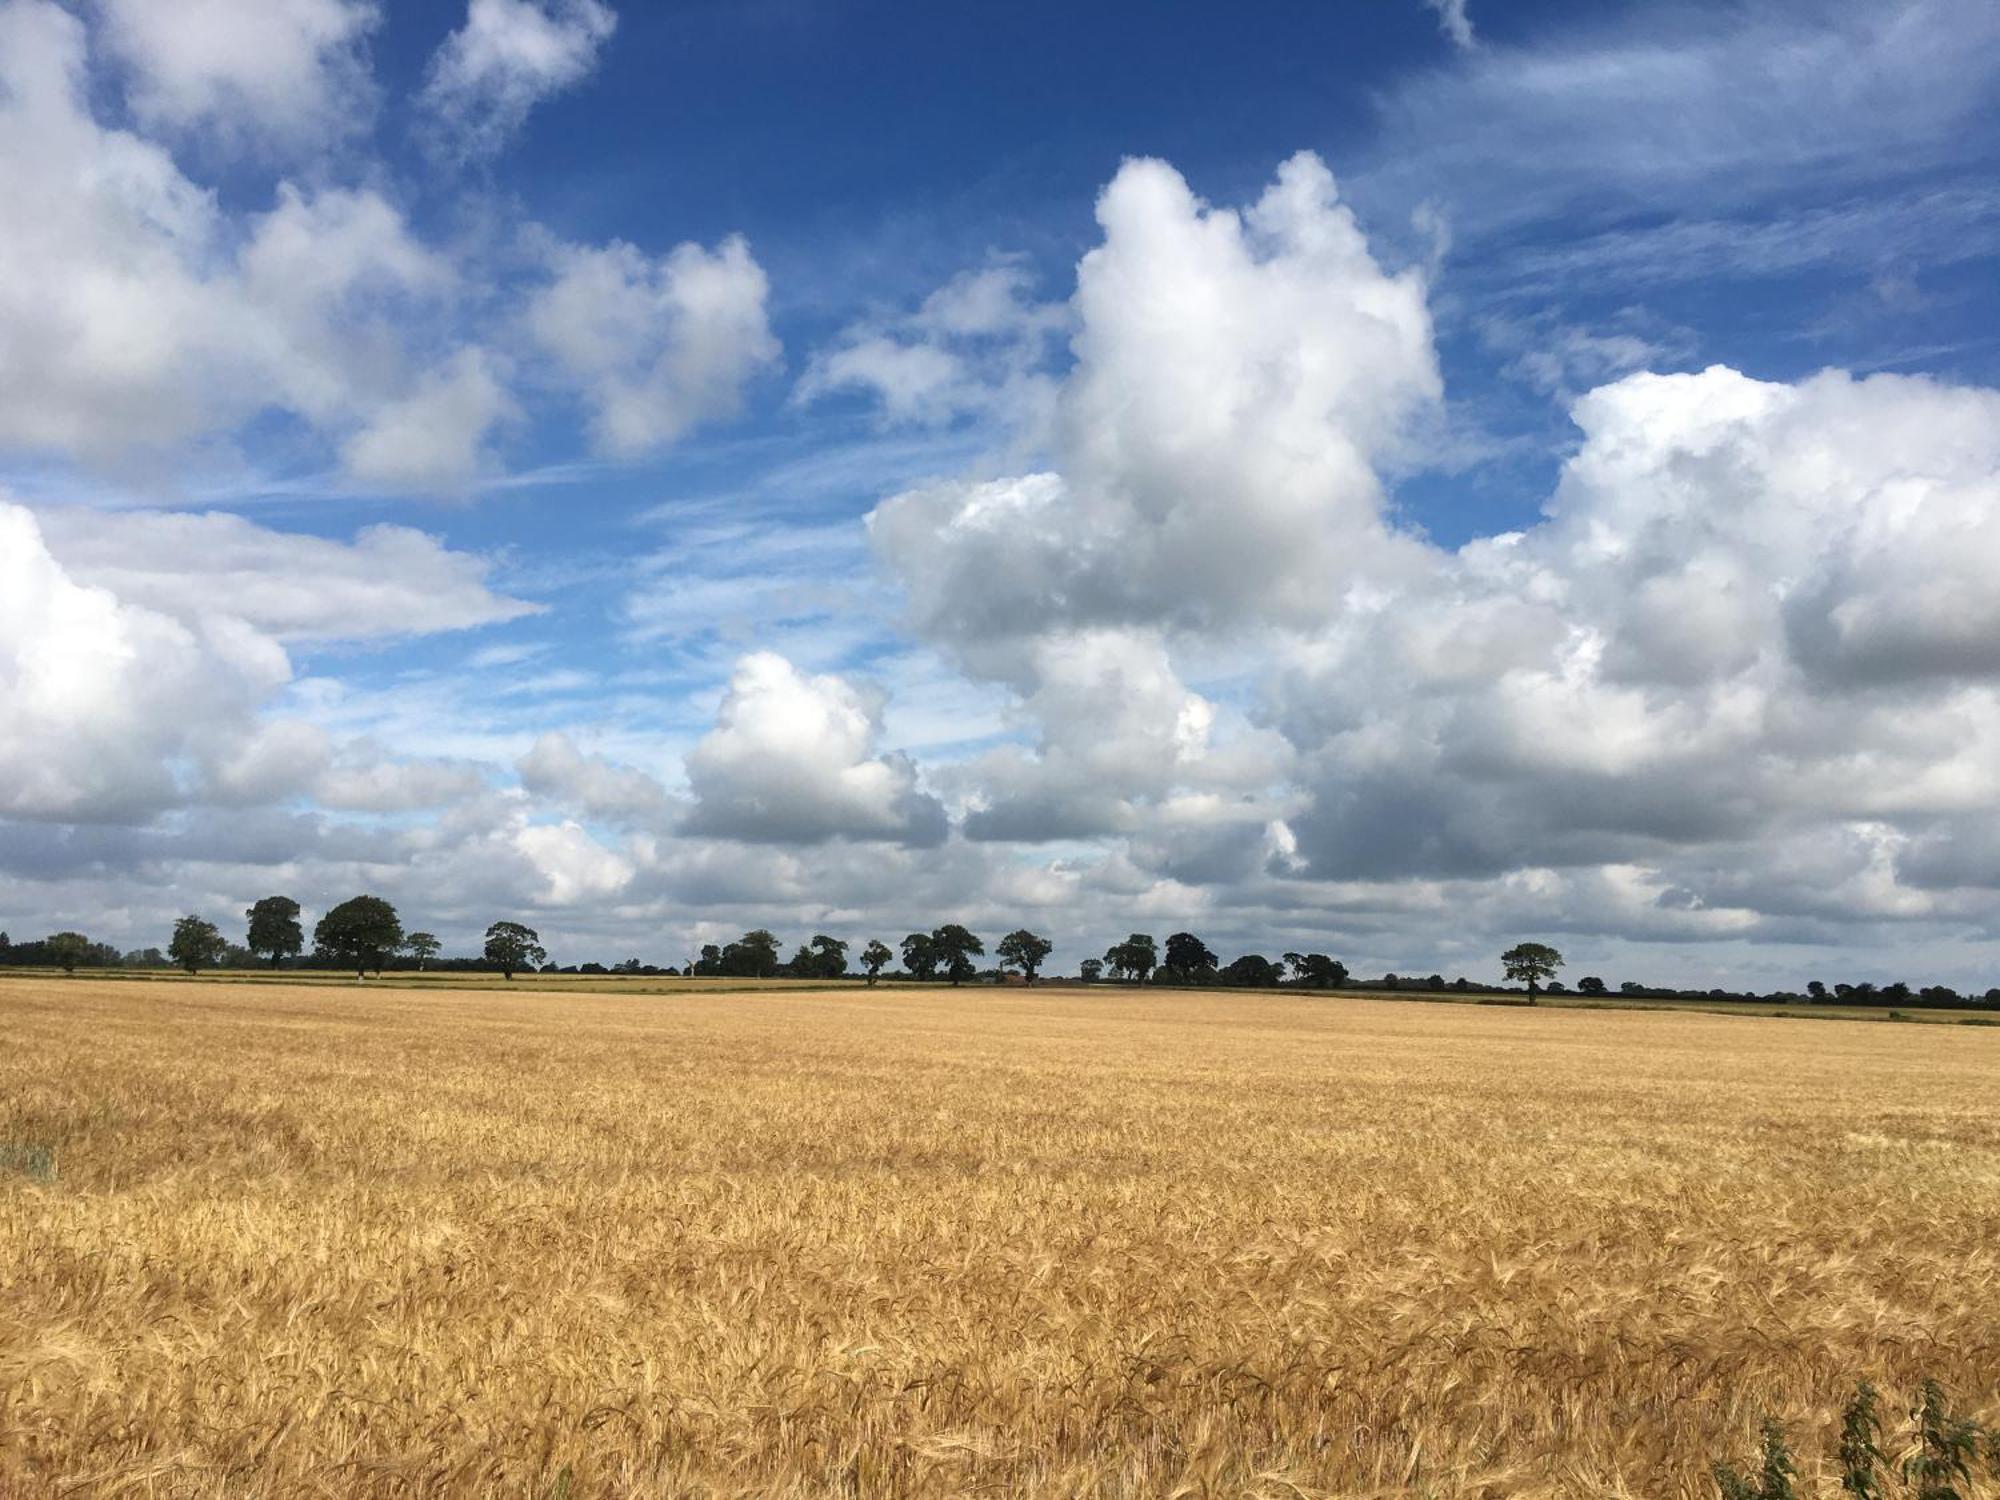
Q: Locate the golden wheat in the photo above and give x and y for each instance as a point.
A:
(467, 1243)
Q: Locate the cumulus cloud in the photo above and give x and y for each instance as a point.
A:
(1120, 741)
(274, 75)
(1742, 677)
(433, 439)
(1237, 378)
(1753, 612)
(135, 314)
(103, 696)
(144, 318)
(570, 864)
(508, 57)
(656, 344)
(137, 651)
(792, 758)
(976, 346)
(556, 770)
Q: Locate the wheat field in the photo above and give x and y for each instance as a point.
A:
(271, 1241)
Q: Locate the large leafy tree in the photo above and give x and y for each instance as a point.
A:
(875, 957)
(956, 947)
(827, 956)
(196, 944)
(511, 947)
(1024, 950)
(1316, 970)
(920, 956)
(752, 956)
(1188, 960)
(1531, 963)
(1252, 971)
(1091, 970)
(1134, 958)
(66, 949)
(362, 931)
(274, 929)
(422, 946)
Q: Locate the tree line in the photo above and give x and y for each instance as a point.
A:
(365, 933)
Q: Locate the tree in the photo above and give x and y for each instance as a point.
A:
(754, 955)
(195, 945)
(67, 949)
(1091, 970)
(1817, 989)
(510, 946)
(422, 946)
(1134, 958)
(1590, 984)
(1023, 950)
(1531, 962)
(920, 956)
(874, 957)
(1188, 960)
(1316, 970)
(829, 957)
(955, 947)
(274, 929)
(362, 931)
(1252, 971)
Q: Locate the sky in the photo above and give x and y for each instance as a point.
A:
(1388, 479)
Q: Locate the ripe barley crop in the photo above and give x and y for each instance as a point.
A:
(331, 1242)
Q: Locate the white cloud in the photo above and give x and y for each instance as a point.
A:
(435, 438)
(792, 758)
(1744, 671)
(571, 865)
(508, 57)
(1121, 740)
(1454, 22)
(657, 345)
(103, 697)
(1755, 612)
(136, 315)
(1686, 116)
(1237, 377)
(554, 769)
(976, 346)
(276, 75)
(137, 651)
(366, 779)
(389, 581)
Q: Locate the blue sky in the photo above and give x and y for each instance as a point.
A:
(1384, 478)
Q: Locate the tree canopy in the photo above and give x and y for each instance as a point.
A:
(1532, 963)
(1023, 950)
(875, 957)
(1188, 960)
(196, 944)
(1134, 958)
(955, 947)
(511, 947)
(920, 956)
(67, 949)
(274, 929)
(362, 931)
